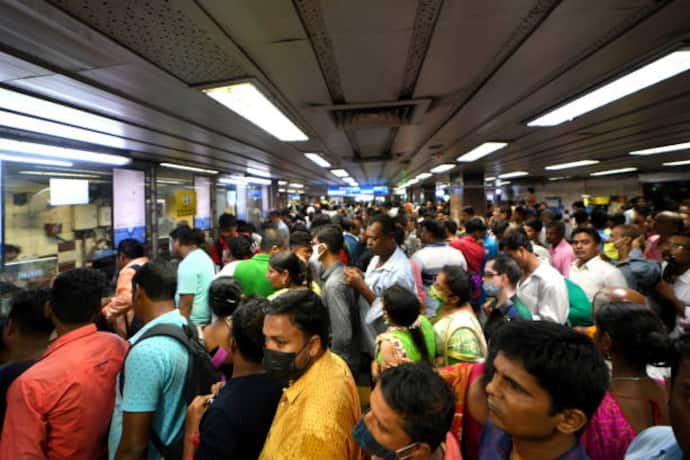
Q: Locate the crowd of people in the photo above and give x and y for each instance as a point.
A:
(387, 330)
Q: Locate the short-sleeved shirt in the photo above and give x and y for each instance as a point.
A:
(155, 375)
(655, 443)
(238, 420)
(596, 274)
(251, 274)
(194, 276)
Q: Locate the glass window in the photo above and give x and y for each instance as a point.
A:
(55, 219)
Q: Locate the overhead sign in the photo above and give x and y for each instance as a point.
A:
(358, 191)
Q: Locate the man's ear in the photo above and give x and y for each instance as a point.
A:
(570, 421)
(418, 451)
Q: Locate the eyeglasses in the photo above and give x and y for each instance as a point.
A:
(491, 275)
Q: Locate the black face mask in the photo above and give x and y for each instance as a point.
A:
(281, 365)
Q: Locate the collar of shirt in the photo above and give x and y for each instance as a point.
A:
(164, 318)
(307, 380)
(591, 264)
(70, 337)
(497, 445)
(262, 257)
(538, 273)
(390, 264)
(326, 274)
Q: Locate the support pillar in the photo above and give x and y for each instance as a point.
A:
(467, 189)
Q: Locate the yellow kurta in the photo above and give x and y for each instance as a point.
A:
(316, 415)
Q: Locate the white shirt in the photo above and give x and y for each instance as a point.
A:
(681, 289)
(228, 269)
(596, 274)
(431, 259)
(541, 252)
(545, 294)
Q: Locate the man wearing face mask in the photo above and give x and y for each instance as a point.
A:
(411, 412)
(320, 406)
(337, 296)
(501, 276)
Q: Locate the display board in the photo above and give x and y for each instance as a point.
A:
(202, 187)
(129, 205)
(68, 191)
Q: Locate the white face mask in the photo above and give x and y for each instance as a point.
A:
(316, 251)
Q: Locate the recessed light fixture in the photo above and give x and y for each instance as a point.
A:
(489, 179)
(677, 163)
(282, 182)
(513, 174)
(188, 168)
(481, 151)
(233, 180)
(258, 180)
(423, 176)
(572, 164)
(12, 147)
(318, 159)
(662, 149)
(258, 172)
(553, 179)
(339, 172)
(502, 183)
(281, 190)
(248, 102)
(666, 67)
(442, 168)
(293, 185)
(613, 171)
(34, 160)
(59, 174)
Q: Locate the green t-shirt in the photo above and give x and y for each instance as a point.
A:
(194, 276)
(404, 343)
(251, 274)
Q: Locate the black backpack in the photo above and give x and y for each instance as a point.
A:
(201, 375)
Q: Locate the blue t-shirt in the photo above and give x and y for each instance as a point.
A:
(194, 276)
(155, 375)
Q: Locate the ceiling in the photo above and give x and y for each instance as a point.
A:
(385, 89)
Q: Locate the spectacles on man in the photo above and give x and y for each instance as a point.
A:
(490, 275)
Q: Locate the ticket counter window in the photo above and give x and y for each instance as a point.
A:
(54, 219)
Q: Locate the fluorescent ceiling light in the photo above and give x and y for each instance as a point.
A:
(188, 168)
(613, 171)
(572, 164)
(339, 172)
(281, 190)
(663, 149)
(552, 179)
(258, 172)
(503, 182)
(442, 168)
(423, 176)
(659, 70)
(248, 102)
(169, 181)
(12, 146)
(513, 174)
(59, 174)
(677, 163)
(34, 160)
(318, 159)
(36, 125)
(258, 180)
(296, 185)
(489, 179)
(232, 180)
(481, 151)
(282, 182)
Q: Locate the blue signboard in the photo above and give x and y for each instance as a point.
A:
(358, 191)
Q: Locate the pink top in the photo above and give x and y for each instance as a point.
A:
(653, 250)
(562, 257)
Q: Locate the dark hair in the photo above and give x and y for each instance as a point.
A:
(131, 248)
(224, 296)
(636, 331)
(505, 209)
(581, 216)
(565, 363)
(451, 227)
(468, 210)
(26, 312)
(12, 248)
(475, 225)
(500, 227)
(618, 219)
(227, 221)
(516, 240)
(422, 399)
(599, 218)
(188, 236)
(305, 310)
(520, 210)
(504, 265)
(247, 327)
(630, 231)
(289, 262)
(459, 282)
(346, 224)
(387, 225)
(319, 220)
(300, 238)
(558, 226)
(240, 247)
(588, 230)
(681, 353)
(535, 224)
(403, 308)
(435, 228)
(332, 236)
(158, 279)
(271, 237)
(75, 297)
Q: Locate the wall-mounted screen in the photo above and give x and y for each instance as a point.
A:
(129, 205)
(68, 191)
